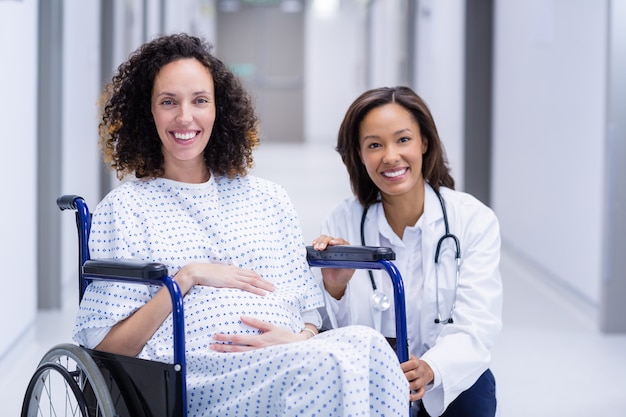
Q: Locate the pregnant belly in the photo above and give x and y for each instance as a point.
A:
(219, 310)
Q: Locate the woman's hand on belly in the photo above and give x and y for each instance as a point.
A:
(271, 335)
(221, 276)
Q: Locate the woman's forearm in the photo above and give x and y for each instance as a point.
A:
(129, 336)
(336, 281)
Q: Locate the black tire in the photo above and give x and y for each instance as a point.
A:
(67, 382)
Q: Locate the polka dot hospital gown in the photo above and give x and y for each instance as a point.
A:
(251, 223)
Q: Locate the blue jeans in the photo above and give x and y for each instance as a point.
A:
(479, 400)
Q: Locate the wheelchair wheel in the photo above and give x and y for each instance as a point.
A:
(67, 382)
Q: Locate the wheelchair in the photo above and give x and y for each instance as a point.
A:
(72, 380)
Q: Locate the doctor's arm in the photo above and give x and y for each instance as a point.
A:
(335, 279)
(462, 350)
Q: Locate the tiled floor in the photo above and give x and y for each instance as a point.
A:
(549, 361)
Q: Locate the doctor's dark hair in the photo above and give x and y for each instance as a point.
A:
(435, 168)
(128, 136)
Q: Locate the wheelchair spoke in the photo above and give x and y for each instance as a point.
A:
(55, 393)
(65, 405)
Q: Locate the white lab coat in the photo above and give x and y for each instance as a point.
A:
(459, 352)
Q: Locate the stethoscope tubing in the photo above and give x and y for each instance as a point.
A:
(457, 258)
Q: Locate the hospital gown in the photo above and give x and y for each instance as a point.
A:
(251, 223)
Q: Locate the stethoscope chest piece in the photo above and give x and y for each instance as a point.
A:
(380, 301)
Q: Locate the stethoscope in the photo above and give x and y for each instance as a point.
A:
(380, 300)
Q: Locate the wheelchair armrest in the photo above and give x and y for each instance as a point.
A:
(142, 272)
(369, 257)
(351, 253)
(125, 268)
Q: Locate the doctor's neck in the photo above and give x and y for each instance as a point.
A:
(402, 212)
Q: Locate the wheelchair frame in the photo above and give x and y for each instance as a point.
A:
(96, 372)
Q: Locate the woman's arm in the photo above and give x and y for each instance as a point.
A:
(129, 336)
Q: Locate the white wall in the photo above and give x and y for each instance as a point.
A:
(81, 90)
(196, 17)
(440, 72)
(340, 64)
(334, 63)
(388, 47)
(549, 135)
(18, 116)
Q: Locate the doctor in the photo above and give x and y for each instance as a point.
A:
(447, 246)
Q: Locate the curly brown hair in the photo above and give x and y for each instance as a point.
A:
(128, 137)
(435, 168)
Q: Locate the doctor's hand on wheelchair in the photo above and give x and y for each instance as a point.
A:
(335, 279)
(419, 374)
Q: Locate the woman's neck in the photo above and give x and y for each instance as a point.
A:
(403, 211)
(191, 175)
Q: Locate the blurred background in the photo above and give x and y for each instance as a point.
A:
(529, 99)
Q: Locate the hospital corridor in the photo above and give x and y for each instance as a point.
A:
(549, 360)
(528, 97)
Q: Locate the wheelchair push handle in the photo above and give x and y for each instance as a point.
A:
(68, 201)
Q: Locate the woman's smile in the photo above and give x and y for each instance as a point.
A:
(394, 173)
(185, 136)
